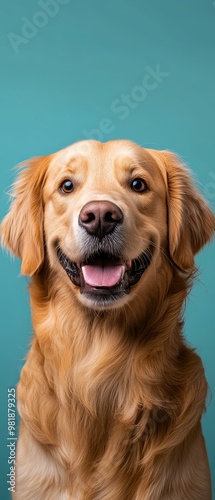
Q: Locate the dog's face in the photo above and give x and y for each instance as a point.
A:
(110, 214)
(105, 219)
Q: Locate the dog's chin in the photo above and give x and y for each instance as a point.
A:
(105, 280)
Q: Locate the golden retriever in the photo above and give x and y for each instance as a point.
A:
(111, 396)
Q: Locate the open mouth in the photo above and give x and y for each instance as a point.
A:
(103, 274)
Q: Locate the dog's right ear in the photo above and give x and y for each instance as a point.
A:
(22, 228)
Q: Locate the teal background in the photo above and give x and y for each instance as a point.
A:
(64, 80)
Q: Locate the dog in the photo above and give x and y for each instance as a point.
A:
(111, 396)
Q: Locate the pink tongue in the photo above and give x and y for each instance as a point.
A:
(102, 273)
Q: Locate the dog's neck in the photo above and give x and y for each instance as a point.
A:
(139, 320)
(92, 345)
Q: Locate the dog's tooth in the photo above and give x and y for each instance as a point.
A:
(122, 271)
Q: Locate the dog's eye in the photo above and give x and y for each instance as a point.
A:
(66, 186)
(139, 185)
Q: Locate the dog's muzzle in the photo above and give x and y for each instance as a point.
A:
(104, 272)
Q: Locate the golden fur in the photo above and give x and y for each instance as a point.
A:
(111, 397)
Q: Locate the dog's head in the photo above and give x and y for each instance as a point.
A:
(107, 217)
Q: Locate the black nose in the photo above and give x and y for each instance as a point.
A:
(100, 217)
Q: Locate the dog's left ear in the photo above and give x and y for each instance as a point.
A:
(191, 222)
(22, 228)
